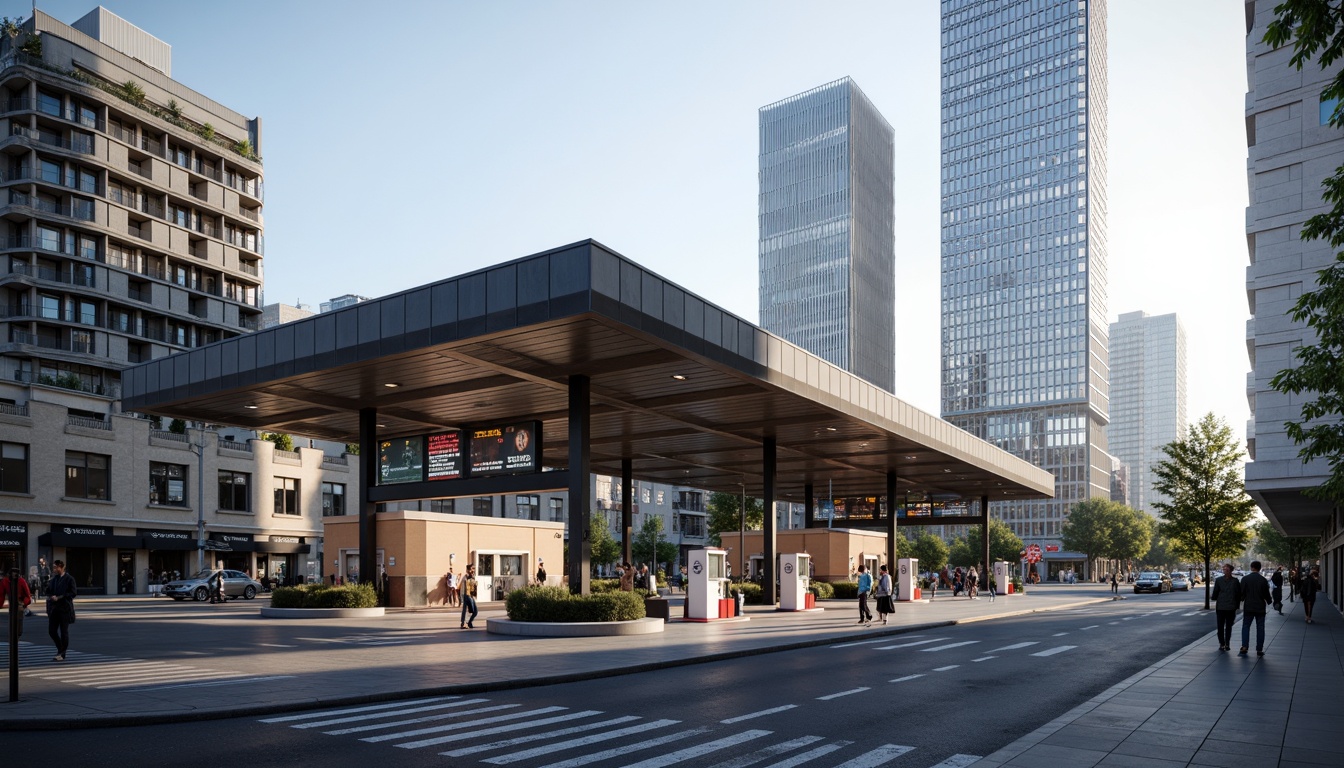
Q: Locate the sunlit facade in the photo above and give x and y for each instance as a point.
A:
(1147, 398)
(827, 249)
(1024, 331)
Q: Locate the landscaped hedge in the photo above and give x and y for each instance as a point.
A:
(599, 586)
(750, 590)
(325, 596)
(845, 590)
(556, 604)
(822, 589)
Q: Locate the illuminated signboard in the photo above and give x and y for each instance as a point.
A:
(401, 460)
(506, 449)
(443, 455)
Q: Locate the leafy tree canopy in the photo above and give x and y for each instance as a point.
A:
(604, 549)
(1285, 550)
(931, 551)
(649, 541)
(1105, 528)
(723, 515)
(1003, 545)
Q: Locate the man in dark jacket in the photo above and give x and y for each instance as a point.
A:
(1226, 598)
(1255, 600)
(61, 591)
(1277, 581)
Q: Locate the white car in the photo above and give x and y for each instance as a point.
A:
(1180, 581)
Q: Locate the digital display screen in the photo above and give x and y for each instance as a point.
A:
(401, 460)
(443, 456)
(507, 449)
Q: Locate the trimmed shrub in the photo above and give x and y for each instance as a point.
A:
(557, 605)
(288, 597)
(599, 586)
(822, 590)
(845, 590)
(325, 596)
(750, 590)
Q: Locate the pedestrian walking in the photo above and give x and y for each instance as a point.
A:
(61, 591)
(1292, 583)
(933, 585)
(884, 594)
(1115, 582)
(972, 583)
(1277, 581)
(993, 586)
(25, 599)
(1226, 598)
(541, 573)
(1307, 587)
(468, 594)
(865, 587)
(451, 580)
(1255, 601)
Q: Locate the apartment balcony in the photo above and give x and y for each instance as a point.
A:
(81, 145)
(62, 111)
(80, 210)
(43, 341)
(48, 274)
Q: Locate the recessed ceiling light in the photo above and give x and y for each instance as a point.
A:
(380, 426)
(911, 458)
(830, 429)
(391, 385)
(678, 377)
(250, 407)
(947, 471)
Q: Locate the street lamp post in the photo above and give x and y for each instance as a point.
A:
(199, 450)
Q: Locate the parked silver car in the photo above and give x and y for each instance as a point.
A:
(1180, 581)
(236, 584)
(1152, 581)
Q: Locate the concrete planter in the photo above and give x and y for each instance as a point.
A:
(644, 626)
(321, 613)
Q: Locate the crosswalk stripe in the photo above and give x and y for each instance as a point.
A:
(813, 754)
(1192, 613)
(880, 756)
(944, 669)
(617, 751)
(949, 645)
(1057, 634)
(365, 717)
(985, 658)
(957, 761)
(1094, 626)
(348, 710)
(689, 753)
(903, 679)
(452, 727)
(437, 740)
(907, 645)
(1015, 646)
(842, 693)
(464, 751)
(868, 642)
(511, 727)
(767, 752)
(579, 742)
(1053, 651)
(762, 713)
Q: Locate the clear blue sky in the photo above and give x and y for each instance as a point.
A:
(405, 142)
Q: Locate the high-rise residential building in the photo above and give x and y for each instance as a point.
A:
(827, 223)
(1147, 398)
(1024, 244)
(1291, 149)
(132, 230)
(341, 302)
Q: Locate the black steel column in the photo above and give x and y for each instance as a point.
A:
(984, 531)
(768, 590)
(809, 501)
(580, 547)
(627, 508)
(368, 478)
(891, 523)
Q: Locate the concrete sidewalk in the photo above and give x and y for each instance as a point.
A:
(130, 664)
(1202, 707)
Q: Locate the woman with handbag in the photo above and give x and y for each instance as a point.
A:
(60, 607)
(884, 594)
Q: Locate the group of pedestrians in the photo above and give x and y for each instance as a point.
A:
(1255, 595)
(60, 591)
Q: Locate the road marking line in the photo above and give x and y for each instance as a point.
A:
(1192, 613)
(200, 677)
(688, 753)
(949, 645)
(842, 693)
(762, 713)
(903, 679)
(1128, 618)
(442, 728)
(957, 761)
(1057, 634)
(617, 751)
(366, 716)
(534, 736)
(1094, 626)
(907, 645)
(771, 751)
(458, 727)
(277, 645)
(868, 642)
(370, 708)
(810, 755)
(944, 669)
(880, 756)
(516, 726)
(213, 683)
(1053, 651)
(1015, 646)
(1112, 623)
(985, 658)
(584, 741)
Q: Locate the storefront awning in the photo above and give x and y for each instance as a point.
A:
(60, 537)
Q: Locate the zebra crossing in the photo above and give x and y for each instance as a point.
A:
(103, 672)
(494, 733)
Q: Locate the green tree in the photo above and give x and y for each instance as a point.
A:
(1090, 529)
(1160, 553)
(282, 441)
(177, 427)
(1316, 30)
(649, 542)
(1003, 545)
(352, 449)
(1285, 550)
(1132, 536)
(1207, 512)
(605, 550)
(930, 550)
(723, 515)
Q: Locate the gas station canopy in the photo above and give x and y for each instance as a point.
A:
(684, 390)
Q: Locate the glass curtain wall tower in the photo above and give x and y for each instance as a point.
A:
(1147, 397)
(827, 221)
(1024, 331)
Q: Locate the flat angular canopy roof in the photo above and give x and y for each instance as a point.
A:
(681, 387)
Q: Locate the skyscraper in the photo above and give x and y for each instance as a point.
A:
(1147, 397)
(1024, 243)
(827, 208)
(1291, 149)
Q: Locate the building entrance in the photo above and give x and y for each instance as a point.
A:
(89, 569)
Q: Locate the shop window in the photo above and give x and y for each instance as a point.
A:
(234, 491)
(557, 510)
(86, 475)
(13, 468)
(287, 496)
(167, 484)
(483, 507)
(529, 507)
(333, 499)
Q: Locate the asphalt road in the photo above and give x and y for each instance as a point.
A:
(915, 700)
